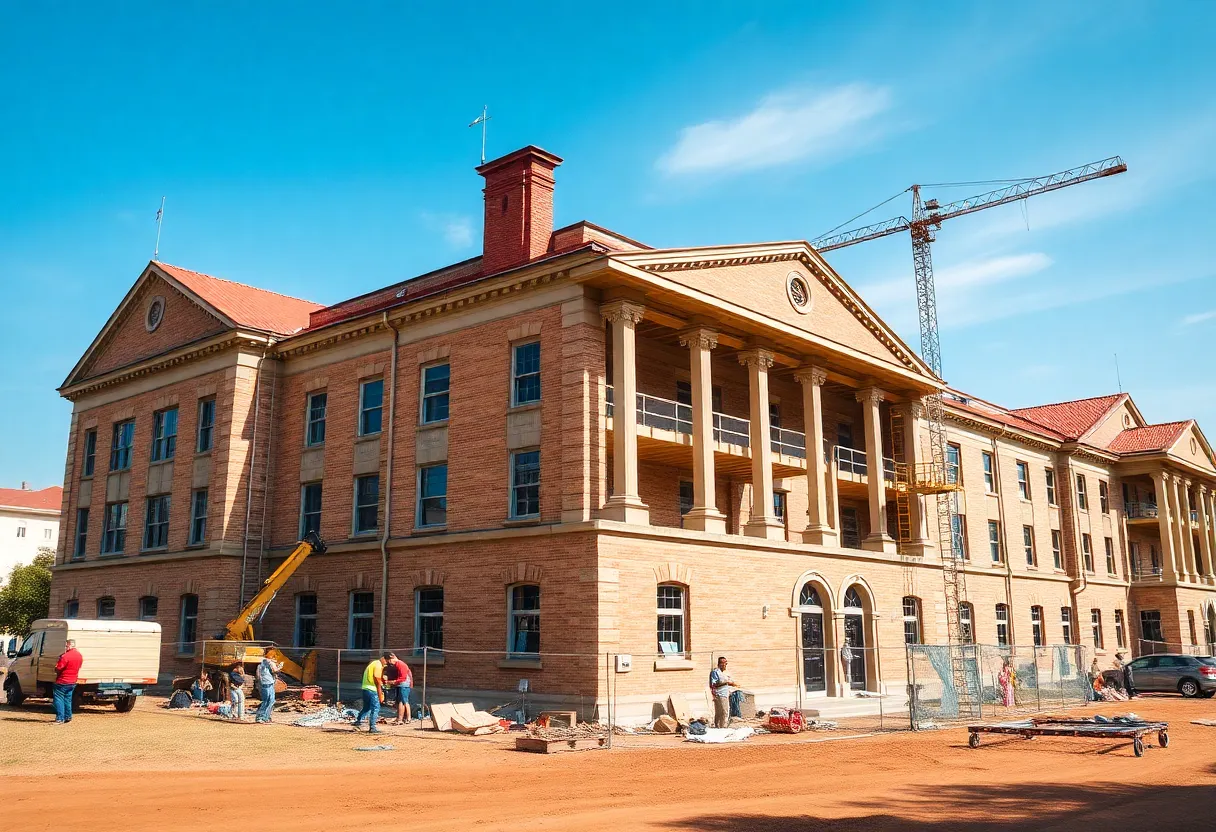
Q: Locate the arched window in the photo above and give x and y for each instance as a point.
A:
(852, 598)
(809, 597)
(105, 607)
(672, 621)
(966, 622)
(523, 620)
(912, 634)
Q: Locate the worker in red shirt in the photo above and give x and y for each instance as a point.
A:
(67, 671)
(397, 673)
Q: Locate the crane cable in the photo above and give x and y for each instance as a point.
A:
(862, 214)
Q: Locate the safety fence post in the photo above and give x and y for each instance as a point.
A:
(608, 694)
(425, 650)
(338, 684)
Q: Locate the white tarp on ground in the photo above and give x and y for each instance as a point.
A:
(719, 735)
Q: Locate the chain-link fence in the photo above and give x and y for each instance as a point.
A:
(1147, 647)
(984, 681)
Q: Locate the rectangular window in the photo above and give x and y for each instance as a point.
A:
(525, 484)
(362, 610)
(105, 607)
(966, 626)
(71, 609)
(120, 447)
(1095, 624)
(371, 406)
(1120, 638)
(198, 517)
(436, 383)
(164, 434)
(1051, 486)
(989, 478)
(1024, 480)
(1150, 625)
(1110, 556)
(1082, 497)
(433, 495)
(187, 631)
(315, 428)
(525, 373)
(954, 456)
(958, 536)
(850, 528)
(90, 451)
(774, 415)
(306, 621)
(994, 541)
(1002, 625)
(156, 523)
(671, 620)
(686, 497)
(1087, 552)
(206, 425)
(1104, 496)
(1066, 624)
(779, 498)
(310, 508)
(21, 529)
(82, 533)
(114, 531)
(524, 623)
(1036, 626)
(1057, 550)
(148, 606)
(911, 608)
(1028, 545)
(428, 618)
(367, 504)
(1190, 620)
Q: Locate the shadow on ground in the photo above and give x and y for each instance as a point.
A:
(999, 809)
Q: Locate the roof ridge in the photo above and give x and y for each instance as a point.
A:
(242, 285)
(1070, 401)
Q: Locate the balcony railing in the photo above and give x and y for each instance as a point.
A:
(854, 461)
(789, 442)
(1146, 572)
(666, 414)
(1140, 511)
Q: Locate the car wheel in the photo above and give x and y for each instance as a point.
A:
(1188, 688)
(125, 703)
(12, 691)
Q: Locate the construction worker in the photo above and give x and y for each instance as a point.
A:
(267, 668)
(373, 696)
(397, 674)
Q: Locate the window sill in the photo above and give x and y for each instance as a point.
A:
(84, 477)
(519, 408)
(673, 664)
(438, 423)
(202, 544)
(317, 446)
(362, 436)
(370, 534)
(197, 454)
(520, 664)
(424, 530)
(521, 521)
(156, 550)
(111, 555)
(433, 658)
(350, 654)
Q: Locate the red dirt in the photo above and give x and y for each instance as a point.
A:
(278, 777)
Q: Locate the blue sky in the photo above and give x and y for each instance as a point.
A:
(324, 154)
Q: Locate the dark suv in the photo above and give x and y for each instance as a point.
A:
(1174, 673)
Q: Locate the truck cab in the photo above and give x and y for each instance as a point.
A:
(121, 658)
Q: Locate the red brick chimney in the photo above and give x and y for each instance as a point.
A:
(519, 208)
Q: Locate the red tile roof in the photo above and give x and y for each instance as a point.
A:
(1000, 415)
(246, 305)
(1148, 438)
(1070, 419)
(45, 499)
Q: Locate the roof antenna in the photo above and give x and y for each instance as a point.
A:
(160, 213)
(482, 119)
(1117, 377)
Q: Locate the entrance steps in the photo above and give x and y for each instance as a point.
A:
(851, 705)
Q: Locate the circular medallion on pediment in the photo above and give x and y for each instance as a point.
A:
(798, 290)
(154, 314)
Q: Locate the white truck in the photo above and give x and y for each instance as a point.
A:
(120, 659)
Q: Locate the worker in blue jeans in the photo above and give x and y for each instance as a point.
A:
(267, 668)
(373, 695)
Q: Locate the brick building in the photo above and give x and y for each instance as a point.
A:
(454, 438)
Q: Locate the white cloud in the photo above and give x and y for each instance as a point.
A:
(458, 232)
(784, 127)
(1198, 318)
(954, 283)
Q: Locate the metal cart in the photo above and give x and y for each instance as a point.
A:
(1085, 728)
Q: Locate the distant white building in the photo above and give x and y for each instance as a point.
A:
(29, 520)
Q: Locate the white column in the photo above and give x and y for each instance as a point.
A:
(1184, 527)
(1212, 533)
(1205, 529)
(818, 529)
(1165, 525)
(762, 522)
(878, 540)
(624, 505)
(704, 515)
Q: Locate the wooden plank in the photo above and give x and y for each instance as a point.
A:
(538, 745)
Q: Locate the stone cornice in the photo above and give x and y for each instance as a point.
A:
(988, 427)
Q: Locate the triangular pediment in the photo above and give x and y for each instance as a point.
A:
(760, 279)
(156, 316)
(1192, 446)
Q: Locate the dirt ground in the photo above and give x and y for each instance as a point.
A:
(155, 770)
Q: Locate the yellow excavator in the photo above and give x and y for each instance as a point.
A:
(237, 644)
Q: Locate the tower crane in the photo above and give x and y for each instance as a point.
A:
(934, 478)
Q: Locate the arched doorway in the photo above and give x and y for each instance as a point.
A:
(811, 614)
(854, 653)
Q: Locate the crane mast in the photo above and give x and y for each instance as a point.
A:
(934, 478)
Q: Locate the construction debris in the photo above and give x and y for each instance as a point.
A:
(464, 718)
(374, 748)
(579, 730)
(665, 725)
(324, 716)
(722, 735)
(540, 745)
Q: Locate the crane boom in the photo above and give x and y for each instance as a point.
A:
(935, 215)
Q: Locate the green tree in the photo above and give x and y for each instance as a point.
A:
(26, 596)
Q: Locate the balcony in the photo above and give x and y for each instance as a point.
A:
(852, 462)
(1141, 511)
(1147, 572)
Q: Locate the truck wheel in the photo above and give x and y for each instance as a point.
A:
(12, 691)
(124, 703)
